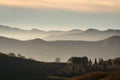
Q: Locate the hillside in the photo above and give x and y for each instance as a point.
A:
(19, 68)
(114, 75)
(49, 50)
(15, 68)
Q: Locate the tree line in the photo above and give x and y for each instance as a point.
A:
(81, 65)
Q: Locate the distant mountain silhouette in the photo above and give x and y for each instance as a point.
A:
(113, 38)
(88, 35)
(21, 34)
(114, 41)
(74, 34)
(92, 30)
(75, 31)
(49, 50)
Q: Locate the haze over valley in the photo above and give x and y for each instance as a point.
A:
(52, 35)
(48, 50)
(59, 39)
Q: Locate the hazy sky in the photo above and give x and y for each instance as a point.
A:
(60, 14)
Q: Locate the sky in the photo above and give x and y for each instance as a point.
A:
(60, 14)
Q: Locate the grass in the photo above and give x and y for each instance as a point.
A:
(57, 78)
(114, 75)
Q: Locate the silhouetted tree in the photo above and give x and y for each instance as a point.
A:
(101, 61)
(57, 60)
(31, 59)
(79, 64)
(95, 63)
(85, 61)
(20, 56)
(116, 61)
(90, 63)
(109, 62)
(12, 54)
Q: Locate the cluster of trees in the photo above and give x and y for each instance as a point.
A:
(19, 56)
(82, 65)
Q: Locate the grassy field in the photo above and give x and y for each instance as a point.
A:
(114, 75)
(57, 78)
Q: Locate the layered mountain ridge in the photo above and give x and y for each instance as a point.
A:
(74, 34)
(49, 50)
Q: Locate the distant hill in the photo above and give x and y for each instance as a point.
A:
(88, 35)
(49, 50)
(74, 34)
(21, 34)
